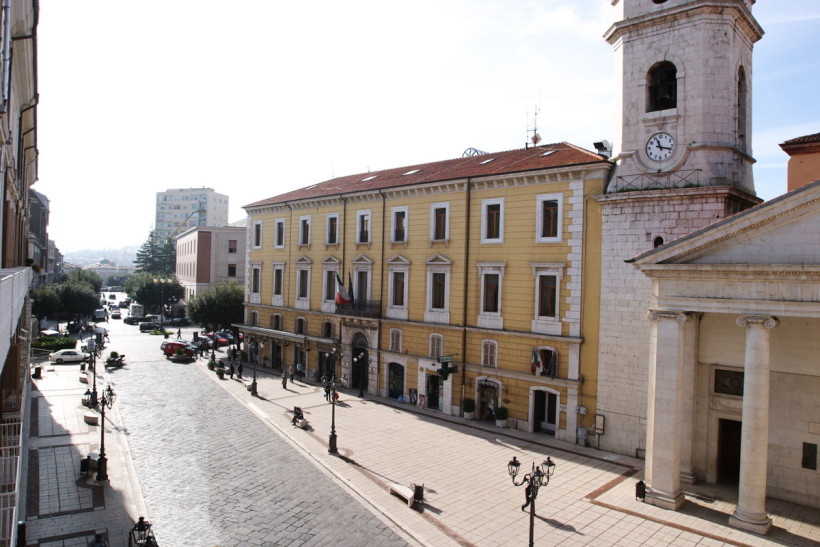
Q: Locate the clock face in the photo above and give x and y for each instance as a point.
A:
(660, 147)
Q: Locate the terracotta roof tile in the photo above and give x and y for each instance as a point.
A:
(803, 140)
(512, 161)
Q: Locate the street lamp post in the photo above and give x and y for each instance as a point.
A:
(106, 401)
(535, 479)
(331, 444)
(362, 372)
(161, 282)
(254, 393)
(141, 535)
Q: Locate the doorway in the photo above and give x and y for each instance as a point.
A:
(728, 457)
(395, 381)
(487, 400)
(433, 392)
(545, 412)
(360, 362)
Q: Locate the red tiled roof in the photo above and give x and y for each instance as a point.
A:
(512, 161)
(803, 140)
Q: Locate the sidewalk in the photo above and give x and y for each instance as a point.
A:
(60, 505)
(469, 498)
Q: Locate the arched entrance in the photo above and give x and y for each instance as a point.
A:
(360, 360)
(395, 380)
(487, 400)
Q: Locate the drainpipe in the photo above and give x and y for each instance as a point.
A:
(6, 7)
(466, 291)
(381, 294)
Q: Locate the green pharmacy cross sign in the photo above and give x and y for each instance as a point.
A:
(446, 368)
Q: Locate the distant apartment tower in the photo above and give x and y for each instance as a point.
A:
(209, 255)
(181, 208)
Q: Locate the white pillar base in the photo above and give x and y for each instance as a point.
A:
(687, 477)
(759, 524)
(664, 500)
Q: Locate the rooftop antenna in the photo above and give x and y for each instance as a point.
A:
(536, 138)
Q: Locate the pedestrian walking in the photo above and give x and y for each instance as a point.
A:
(299, 371)
(291, 371)
(231, 370)
(179, 334)
(284, 380)
(239, 370)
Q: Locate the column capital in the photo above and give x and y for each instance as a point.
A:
(766, 321)
(665, 315)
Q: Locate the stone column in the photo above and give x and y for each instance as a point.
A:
(754, 440)
(690, 361)
(664, 420)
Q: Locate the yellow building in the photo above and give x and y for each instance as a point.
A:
(474, 278)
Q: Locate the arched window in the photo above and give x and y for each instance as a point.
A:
(742, 102)
(254, 318)
(276, 321)
(662, 83)
(657, 242)
(327, 329)
(300, 325)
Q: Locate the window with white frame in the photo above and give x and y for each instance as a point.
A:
(395, 340)
(548, 216)
(438, 290)
(279, 240)
(436, 345)
(257, 234)
(491, 275)
(398, 272)
(303, 266)
(256, 279)
(330, 285)
(440, 221)
(492, 220)
(278, 284)
(330, 268)
(300, 326)
(332, 235)
(362, 268)
(362, 226)
(398, 228)
(547, 284)
(489, 351)
(304, 230)
(254, 318)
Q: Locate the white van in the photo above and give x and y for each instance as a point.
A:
(99, 314)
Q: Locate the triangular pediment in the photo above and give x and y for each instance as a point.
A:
(331, 260)
(304, 260)
(398, 260)
(362, 259)
(785, 230)
(438, 259)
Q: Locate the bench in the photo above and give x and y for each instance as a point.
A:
(411, 496)
(91, 418)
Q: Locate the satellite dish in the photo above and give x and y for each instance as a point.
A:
(536, 139)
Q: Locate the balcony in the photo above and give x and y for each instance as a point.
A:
(10, 449)
(361, 308)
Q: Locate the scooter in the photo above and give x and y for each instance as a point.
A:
(117, 361)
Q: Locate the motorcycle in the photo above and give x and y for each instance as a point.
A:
(117, 361)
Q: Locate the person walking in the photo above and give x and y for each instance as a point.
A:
(284, 380)
(239, 370)
(231, 369)
(291, 371)
(179, 334)
(299, 371)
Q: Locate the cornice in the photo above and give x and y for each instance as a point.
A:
(771, 272)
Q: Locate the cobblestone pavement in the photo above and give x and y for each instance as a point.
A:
(212, 473)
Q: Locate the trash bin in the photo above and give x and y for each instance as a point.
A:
(38, 372)
(196, 336)
(640, 490)
(418, 493)
(166, 335)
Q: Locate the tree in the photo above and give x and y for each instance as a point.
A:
(78, 298)
(218, 308)
(86, 276)
(149, 290)
(156, 257)
(46, 301)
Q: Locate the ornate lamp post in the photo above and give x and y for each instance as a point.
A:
(331, 445)
(535, 479)
(161, 282)
(254, 393)
(141, 535)
(106, 401)
(363, 372)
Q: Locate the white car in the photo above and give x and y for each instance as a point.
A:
(68, 356)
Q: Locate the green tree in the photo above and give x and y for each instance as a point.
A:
(78, 299)
(156, 257)
(86, 276)
(46, 301)
(219, 307)
(149, 290)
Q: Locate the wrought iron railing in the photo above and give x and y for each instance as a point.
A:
(361, 308)
(11, 431)
(658, 181)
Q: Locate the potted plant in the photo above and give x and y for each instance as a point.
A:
(468, 406)
(220, 371)
(211, 364)
(501, 417)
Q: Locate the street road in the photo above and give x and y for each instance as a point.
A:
(212, 473)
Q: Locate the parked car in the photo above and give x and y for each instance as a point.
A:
(116, 314)
(170, 347)
(131, 320)
(215, 336)
(180, 321)
(67, 356)
(148, 327)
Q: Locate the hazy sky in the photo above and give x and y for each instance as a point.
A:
(258, 97)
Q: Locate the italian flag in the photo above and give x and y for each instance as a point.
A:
(342, 297)
(536, 362)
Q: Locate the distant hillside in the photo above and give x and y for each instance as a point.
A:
(86, 257)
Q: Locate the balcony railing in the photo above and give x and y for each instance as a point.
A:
(361, 308)
(10, 450)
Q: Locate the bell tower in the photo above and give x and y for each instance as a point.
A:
(683, 101)
(682, 150)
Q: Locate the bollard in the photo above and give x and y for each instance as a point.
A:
(640, 490)
(38, 373)
(418, 493)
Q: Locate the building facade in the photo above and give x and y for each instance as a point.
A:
(683, 161)
(463, 279)
(207, 256)
(18, 172)
(180, 208)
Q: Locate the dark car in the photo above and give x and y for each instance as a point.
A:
(148, 327)
(180, 321)
(131, 320)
